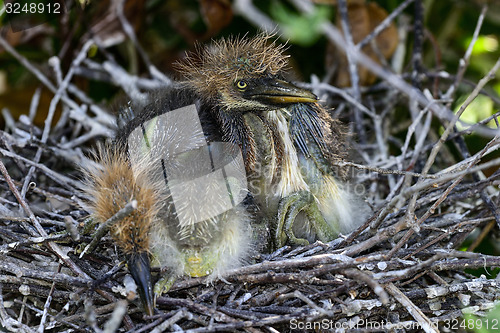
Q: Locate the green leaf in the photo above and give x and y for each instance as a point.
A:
(481, 107)
(484, 44)
(299, 28)
(488, 324)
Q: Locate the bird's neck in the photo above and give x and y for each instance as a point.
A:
(270, 154)
(290, 176)
(275, 167)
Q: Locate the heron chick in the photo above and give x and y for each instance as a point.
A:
(289, 141)
(196, 223)
(112, 184)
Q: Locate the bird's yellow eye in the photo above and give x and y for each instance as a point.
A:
(241, 85)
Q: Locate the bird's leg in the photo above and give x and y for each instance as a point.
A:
(283, 208)
(89, 226)
(324, 230)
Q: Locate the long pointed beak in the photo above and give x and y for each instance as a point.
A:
(138, 265)
(274, 91)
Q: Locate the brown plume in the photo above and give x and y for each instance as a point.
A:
(111, 187)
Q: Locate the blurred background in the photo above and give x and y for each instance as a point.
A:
(166, 29)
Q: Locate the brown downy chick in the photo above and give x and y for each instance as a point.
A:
(191, 218)
(112, 184)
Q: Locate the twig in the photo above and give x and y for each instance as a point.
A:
(372, 283)
(486, 230)
(63, 180)
(464, 62)
(384, 171)
(351, 53)
(8, 322)
(418, 33)
(384, 24)
(127, 28)
(52, 109)
(46, 306)
(114, 322)
(104, 227)
(172, 320)
(425, 324)
(39, 75)
(449, 128)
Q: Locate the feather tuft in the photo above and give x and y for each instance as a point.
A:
(211, 68)
(111, 184)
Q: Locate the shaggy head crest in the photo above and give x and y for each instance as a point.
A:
(225, 61)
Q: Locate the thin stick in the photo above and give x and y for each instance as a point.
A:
(425, 323)
(104, 227)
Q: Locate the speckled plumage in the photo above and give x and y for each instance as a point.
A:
(289, 140)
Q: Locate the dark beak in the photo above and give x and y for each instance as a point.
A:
(138, 265)
(276, 92)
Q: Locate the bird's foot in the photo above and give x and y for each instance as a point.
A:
(289, 208)
(89, 226)
(163, 285)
